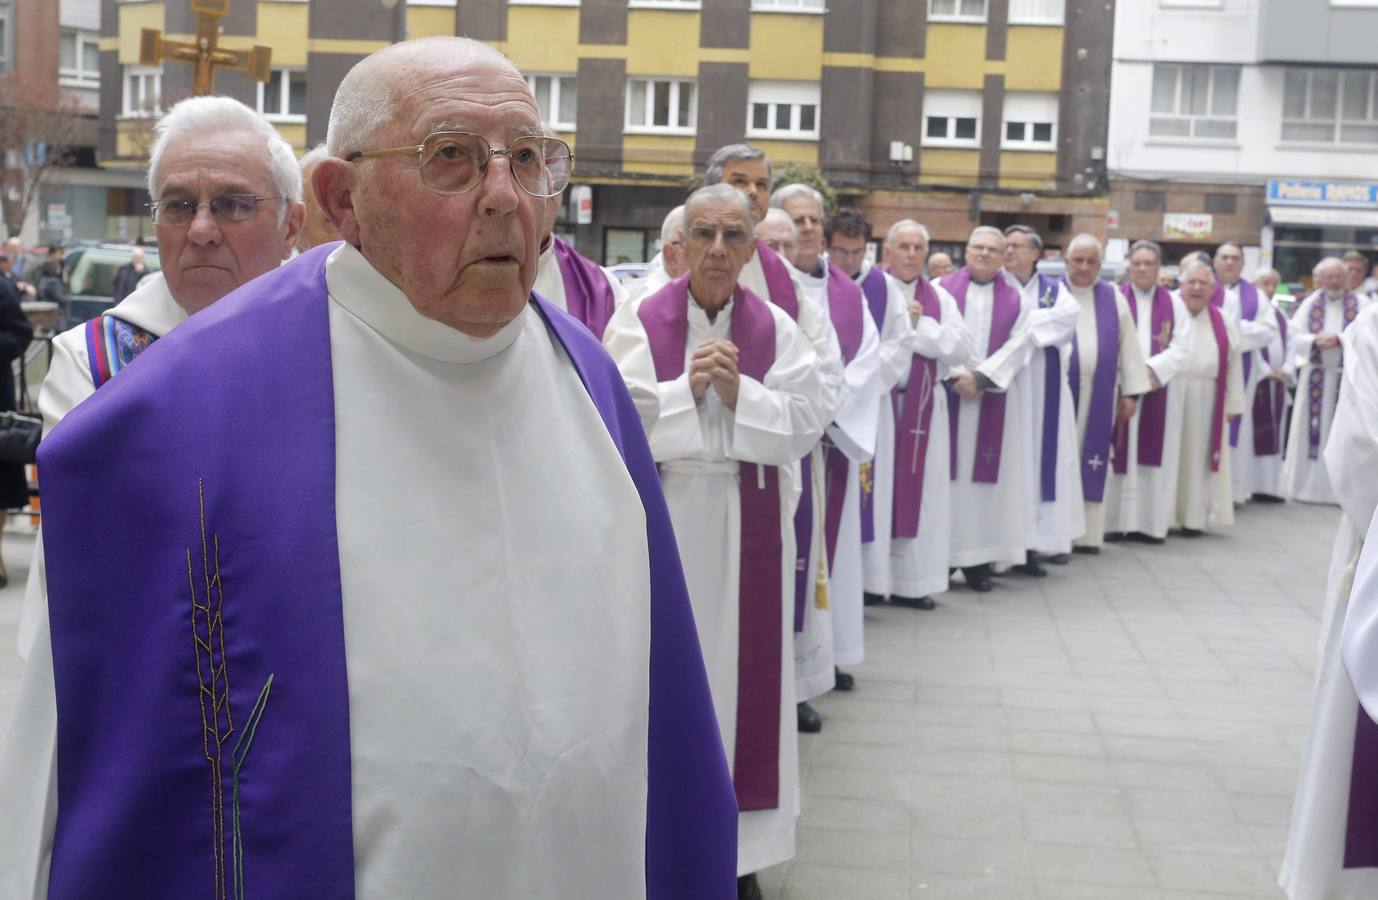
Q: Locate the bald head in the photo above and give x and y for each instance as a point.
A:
(672, 243)
(318, 229)
(777, 232)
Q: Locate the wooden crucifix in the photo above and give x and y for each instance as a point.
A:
(205, 52)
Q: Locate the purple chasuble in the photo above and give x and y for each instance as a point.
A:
(877, 290)
(914, 423)
(1153, 405)
(184, 771)
(1269, 402)
(1315, 382)
(1222, 343)
(1100, 417)
(845, 310)
(990, 426)
(1048, 288)
(588, 296)
(1248, 308)
(756, 769)
(1361, 819)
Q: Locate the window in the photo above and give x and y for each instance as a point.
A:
(661, 106)
(143, 88)
(957, 10)
(1330, 106)
(783, 109)
(557, 98)
(1221, 204)
(4, 35)
(787, 6)
(952, 119)
(1194, 101)
(283, 98)
(1030, 121)
(1192, 4)
(665, 4)
(1150, 201)
(78, 58)
(1036, 12)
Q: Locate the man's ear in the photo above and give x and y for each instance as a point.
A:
(334, 183)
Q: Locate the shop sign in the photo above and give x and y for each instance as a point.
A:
(1188, 226)
(581, 198)
(1343, 194)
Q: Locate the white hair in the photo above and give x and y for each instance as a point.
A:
(777, 216)
(990, 230)
(731, 153)
(673, 225)
(900, 226)
(718, 192)
(1268, 272)
(1196, 262)
(1328, 261)
(210, 118)
(797, 189)
(1087, 239)
(309, 159)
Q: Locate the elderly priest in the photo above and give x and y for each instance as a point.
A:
(297, 676)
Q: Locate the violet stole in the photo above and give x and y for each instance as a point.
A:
(915, 423)
(990, 427)
(1222, 343)
(756, 768)
(779, 284)
(1048, 287)
(1361, 817)
(1315, 382)
(1100, 417)
(845, 310)
(1248, 308)
(588, 295)
(1153, 405)
(876, 289)
(1269, 403)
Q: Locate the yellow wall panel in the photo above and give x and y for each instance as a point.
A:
(782, 153)
(542, 38)
(293, 133)
(662, 42)
(133, 17)
(956, 56)
(1034, 59)
(655, 154)
(786, 47)
(944, 166)
(284, 27)
(1027, 171)
(429, 21)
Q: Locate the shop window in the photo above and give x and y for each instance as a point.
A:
(1221, 204)
(1150, 201)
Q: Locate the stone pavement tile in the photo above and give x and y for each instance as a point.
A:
(1130, 706)
(1118, 668)
(852, 849)
(1262, 809)
(1152, 749)
(1250, 877)
(1066, 890)
(858, 784)
(1191, 836)
(1163, 775)
(894, 734)
(1256, 779)
(1046, 767)
(1169, 726)
(898, 691)
(888, 815)
(859, 705)
(990, 718)
(1102, 865)
(1054, 796)
(956, 695)
(812, 882)
(1080, 829)
(950, 761)
(923, 886)
(957, 856)
(1115, 686)
(1058, 743)
(946, 737)
(1050, 720)
(1271, 840)
(1049, 700)
(844, 754)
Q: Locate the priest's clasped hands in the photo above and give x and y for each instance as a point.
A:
(715, 364)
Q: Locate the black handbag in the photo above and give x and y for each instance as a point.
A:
(20, 431)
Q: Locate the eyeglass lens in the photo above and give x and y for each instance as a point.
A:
(228, 208)
(454, 163)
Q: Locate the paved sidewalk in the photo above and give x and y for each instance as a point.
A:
(1128, 728)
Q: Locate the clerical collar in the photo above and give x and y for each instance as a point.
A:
(977, 281)
(1022, 282)
(699, 313)
(362, 290)
(819, 270)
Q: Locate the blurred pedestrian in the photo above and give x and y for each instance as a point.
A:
(127, 278)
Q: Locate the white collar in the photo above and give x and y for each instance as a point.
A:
(356, 285)
(150, 306)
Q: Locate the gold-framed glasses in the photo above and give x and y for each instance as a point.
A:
(453, 162)
(226, 208)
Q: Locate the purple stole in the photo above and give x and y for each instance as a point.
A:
(1222, 343)
(588, 295)
(914, 424)
(1048, 288)
(845, 310)
(1153, 406)
(756, 770)
(1361, 820)
(1269, 401)
(779, 284)
(876, 289)
(1315, 384)
(990, 427)
(167, 787)
(1100, 417)
(1248, 308)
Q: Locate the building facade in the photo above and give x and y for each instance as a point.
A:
(1252, 121)
(956, 112)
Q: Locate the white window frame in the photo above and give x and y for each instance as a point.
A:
(958, 16)
(676, 85)
(146, 75)
(795, 95)
(1193, 118)
(277, 113)
(1191, 4)
(557, 86)
(689, 5)
(80, 77)
(1338, 122)
(6, 34)
(1016, 18)
(952, 105)
(796, 7)
(1029, 109)
(509, 2)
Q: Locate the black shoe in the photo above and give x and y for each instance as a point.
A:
(810, 722)
(1089, 551)
(978, 578)
(1030, 568)
(748, 888)
(843, 681)
(1268, 498)
(1192, 532)
(914, 602)
(871, 599)
(1058, 559)
(1140, 537)
(1114, 537)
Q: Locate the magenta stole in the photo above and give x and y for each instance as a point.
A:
(756, 771)
(588, 296)
(1269, 401)
(876, 289)
(1248, 308)
(1153, 406)
(990, 427)
(915, 421)
(1222, 343)
(845, 310)
(1100, 418)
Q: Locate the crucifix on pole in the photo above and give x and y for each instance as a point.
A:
(205, 52)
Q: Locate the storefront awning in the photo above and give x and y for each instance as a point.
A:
(1332, 218)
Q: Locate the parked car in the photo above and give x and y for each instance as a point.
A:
(91, 272)
(626, 273)
(1057, 267)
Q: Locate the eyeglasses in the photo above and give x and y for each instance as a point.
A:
(453, 162)
(705, 234)
(226, 208)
